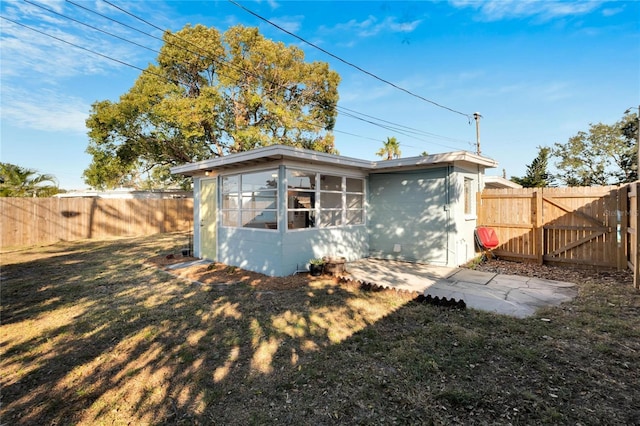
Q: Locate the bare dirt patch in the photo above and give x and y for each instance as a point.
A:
(219, 273)
(553, 272)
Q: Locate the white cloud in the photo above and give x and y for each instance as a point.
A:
(44, 110)
(372, 26)
(289, 23)
(495, 10)
(612, 11)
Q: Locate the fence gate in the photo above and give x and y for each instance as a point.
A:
(585, 225)
(581, 226)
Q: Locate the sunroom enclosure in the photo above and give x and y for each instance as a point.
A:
(275, 220)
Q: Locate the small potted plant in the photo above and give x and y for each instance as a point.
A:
(316, 267)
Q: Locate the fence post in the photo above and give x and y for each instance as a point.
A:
(636, 221)
(622, 223)
(538, 227)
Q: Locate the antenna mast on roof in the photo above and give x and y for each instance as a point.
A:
(477, 117)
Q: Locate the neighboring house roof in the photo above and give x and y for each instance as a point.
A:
(498, 182)
(125, 193)
(281, 152)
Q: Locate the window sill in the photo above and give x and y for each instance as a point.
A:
(469, 217)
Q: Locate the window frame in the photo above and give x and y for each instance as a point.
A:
(342, 213)
(246, 195)
(468, 198)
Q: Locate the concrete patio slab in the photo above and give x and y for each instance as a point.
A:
(182, 265)
(512, 295)
(471, 276)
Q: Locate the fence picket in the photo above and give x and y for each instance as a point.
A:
(31, 221)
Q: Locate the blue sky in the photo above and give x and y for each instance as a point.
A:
(537, 71)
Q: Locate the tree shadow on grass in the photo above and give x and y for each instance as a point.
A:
(92, 335)
(110, 340)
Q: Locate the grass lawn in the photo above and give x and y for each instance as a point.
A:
(92, 335)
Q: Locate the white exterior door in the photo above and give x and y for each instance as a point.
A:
(208, 218)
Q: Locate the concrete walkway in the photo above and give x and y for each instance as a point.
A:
(513, 295)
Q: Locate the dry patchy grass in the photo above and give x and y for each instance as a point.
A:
(91, 334)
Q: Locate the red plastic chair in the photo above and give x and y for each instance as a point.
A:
(487, 240)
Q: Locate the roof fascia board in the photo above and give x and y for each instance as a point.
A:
(435, 159)
(276, 152)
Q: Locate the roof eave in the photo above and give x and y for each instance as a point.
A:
(274, 152)
(279, 152)
(435, 159)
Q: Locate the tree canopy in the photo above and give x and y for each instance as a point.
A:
(606, 154)
(390, 149)
(537, 175)
(16, 181)
(208, 95)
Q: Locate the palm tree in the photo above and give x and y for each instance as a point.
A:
(16, 181)
(390, 149)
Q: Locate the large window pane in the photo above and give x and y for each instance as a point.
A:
(230, 184)
(260, 180)
(301, 219)
(354, 217)
(354, 201)
(330, 218)
(331, 200)
(259, 200)
(355, 185)
(330, 183)
(301, 200)
(230, 218)
(298, 179)
(229, 201)
(259, 219)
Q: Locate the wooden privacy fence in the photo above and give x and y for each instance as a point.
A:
(31, 221)
(584, 225)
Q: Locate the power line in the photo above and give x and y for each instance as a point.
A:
(337, 107)
(410, 129)
(91, 26)
(400, 128)
(114, 20)
(77, 46)
(310, 123)
(346, 62)
(246, 72)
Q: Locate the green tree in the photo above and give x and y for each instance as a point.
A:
(208, 95)
(390, 149)
(16, 181)
(606, 154)
(537, 175)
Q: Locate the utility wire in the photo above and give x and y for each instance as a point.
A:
(397, 130)
(114, 20)
(347, 62)
(310, 123)
(313, 124)
(78, 46)
(91, 26)
(410, 129)
(246, 72)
